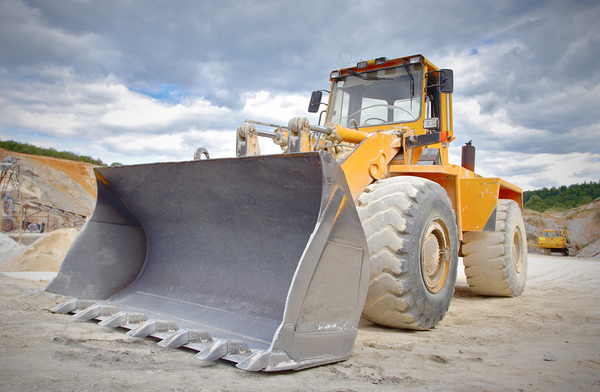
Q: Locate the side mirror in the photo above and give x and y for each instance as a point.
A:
(446, 81)
(315, 101)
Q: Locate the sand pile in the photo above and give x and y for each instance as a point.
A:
(9, 248)
(45, 254)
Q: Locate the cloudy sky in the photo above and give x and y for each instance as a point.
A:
(145, 81)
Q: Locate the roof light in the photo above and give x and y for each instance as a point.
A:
(414, 60)
(380, 60)
(362, 64)
(335, 74)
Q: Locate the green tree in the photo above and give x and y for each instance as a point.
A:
(563, 197)
(535, 203)
(26, 148)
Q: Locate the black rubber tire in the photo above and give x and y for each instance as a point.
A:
(496, 262)
(401, 216)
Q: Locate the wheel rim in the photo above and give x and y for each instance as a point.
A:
(435, 256)
(517, 250)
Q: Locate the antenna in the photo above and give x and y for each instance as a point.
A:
(346, 56)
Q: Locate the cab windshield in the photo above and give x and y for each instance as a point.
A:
(390, 95)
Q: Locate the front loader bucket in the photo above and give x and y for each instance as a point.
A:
(259, 260)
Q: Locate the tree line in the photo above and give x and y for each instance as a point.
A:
(26, 148)
(561, 198)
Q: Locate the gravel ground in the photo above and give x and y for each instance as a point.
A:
(546, 340)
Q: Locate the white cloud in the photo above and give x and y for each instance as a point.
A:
(278, 108)
(136, 110)
(73, 74)
(488, 128)
(540, 170)
(136, 145)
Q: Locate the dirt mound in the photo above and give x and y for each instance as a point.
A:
(45, 254)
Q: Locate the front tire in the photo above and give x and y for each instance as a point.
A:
(496, 262)
(413, 249)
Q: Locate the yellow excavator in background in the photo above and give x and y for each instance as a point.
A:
(556, 241)
(269, 261)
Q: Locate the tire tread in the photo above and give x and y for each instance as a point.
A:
(487, 256)
(390, 299)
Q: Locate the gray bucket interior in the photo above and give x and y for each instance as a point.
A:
(210, 244)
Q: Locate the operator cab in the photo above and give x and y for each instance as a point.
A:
(382, 96)
(386, 92)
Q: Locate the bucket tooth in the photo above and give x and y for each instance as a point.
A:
(176, 340)
(146, 329)
(216, 350)
(151, 327)
(88, 313)
(66, 307)
(279, 360)
(72, 305)
(125, 320)
(255, 362)
(116, 320)
(185, 336)
(233, 350)
(96, 311)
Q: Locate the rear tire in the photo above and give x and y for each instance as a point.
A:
(413, 249)
(496, 262)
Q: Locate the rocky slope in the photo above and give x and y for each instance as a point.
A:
(63, 184)
(582, 224)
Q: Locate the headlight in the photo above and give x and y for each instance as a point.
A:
(431, 123)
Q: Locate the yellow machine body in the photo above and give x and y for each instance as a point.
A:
(554, 241)
(369, 152)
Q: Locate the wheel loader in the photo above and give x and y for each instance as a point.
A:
(270, 261)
